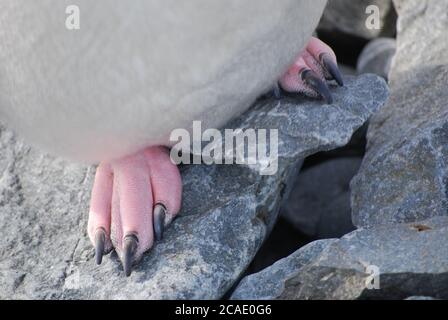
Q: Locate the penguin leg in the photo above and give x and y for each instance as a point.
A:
(310, 70)
(133, 200)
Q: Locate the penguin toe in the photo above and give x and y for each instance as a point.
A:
(133, 200)
(311, 70)
(100, 212)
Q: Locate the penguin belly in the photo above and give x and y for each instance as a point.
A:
(136, 70)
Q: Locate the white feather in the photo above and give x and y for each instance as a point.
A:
(138, 69)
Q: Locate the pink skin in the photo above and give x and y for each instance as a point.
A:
(124, 195)
(126, 191)
(307, 59)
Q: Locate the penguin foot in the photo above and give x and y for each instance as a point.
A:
(133, 200)
(310, 70)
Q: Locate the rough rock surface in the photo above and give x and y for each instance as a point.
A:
(376, 57)
(399, 197)
(319, 203)
(269, 283)
(404, 174)
(419, 298)
(411, 260)
(227, 209)
(350, 16)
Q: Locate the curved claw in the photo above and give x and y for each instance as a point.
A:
(331, 67)
(311, 79)
(100, 240)
(159, 221)
(130, 243)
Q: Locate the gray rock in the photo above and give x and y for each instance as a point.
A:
(347, 70)
(269, 283)
(227, 210)
(419, 298)
(319, 203)
(409, 259)
(403, 177)
(376, 57)
(350, 17)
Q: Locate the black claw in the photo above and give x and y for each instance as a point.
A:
(311, 79)
(159, 221)
(130, 243)
(100, 240)
(332, 68)
(277, 92)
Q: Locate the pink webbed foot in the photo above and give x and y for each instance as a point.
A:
(133, 200)
(310, 70)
